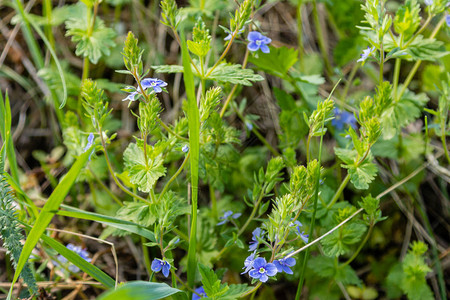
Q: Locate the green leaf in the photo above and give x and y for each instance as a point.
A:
(338, 242)
(362, 175)
(140, 290)
(168, 69)
(138, 212)
(235, 291)
(49, 210)
(193, 115)
(407, 18)
(107, 220)
(348, 156)
(80, 262)
(92, 45)
(234, 74)
(143, 173)
(211, 283)
(277, 62)
(426, 49)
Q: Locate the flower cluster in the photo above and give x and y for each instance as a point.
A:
(228, 216)
(78, 250)
(155, 84)
(342, 118)
(259, 268)
(161, 264)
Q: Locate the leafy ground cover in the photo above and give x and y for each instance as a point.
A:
(224, 149)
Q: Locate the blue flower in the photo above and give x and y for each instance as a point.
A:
(200, 291)
(428, 2)
(158, 264)
(299, 232)
(228, 37)
(366, 53)
(262, 270)
(131, 96)
(154, 83)
(257, 233)
(249, 126)
(342, 117)
(248, 263)
(258, 41)
(227, 217)
(447, 19)
(78, 250)
(284, 264)
(185, 149)
(89, 144)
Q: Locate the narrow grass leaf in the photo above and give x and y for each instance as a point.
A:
(48, 211)
(73, 212)
(140, 290)
(194, 146)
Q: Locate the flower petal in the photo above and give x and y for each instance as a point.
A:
(290, 261)
(264, 48)
(254, 35)
(156, 265)
(271, 269)
(254, 274)
(263, 278)
(165, 269)
(259, 263)
(252, 46)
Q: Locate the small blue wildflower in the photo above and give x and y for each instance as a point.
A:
(228, 37)
(199, 291)
(227, 216)
(131, 96)
(78, 250)
(158, 264)
(428, 2)
(262, 270)
(185, 149)
(447, 18)
(248, 263)
(89, 144)
(258, 41)
(299, 232)
(249, 126)
(284, 264)
(342, 117)
(366, 53)
(257, 233)
(154, 83)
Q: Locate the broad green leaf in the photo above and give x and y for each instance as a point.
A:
(362, 175)
(140, 290)
(277, 62)
(234, 74)
(348, 156)
(107, 220)
(138, 212)
(91, 45)
(211, 283)
(49, 210)
(338, 242)
(426, 49)
(143, 173)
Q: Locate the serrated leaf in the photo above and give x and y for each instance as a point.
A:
(234, 74)
(362, 175)
(211, 283)
(338, 242)
(426, 49)
(137, 212)
(93, 45)
(346, 155)
(143, 174)
(277, 62)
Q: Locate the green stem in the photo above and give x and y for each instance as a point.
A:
(321, 39)
(212, 196)
(113, 175)
(301, 50)
(417, 64)
(313, 219)
(361, 245)
(444, 144)
(47, 8)
(166, 187)
(148, 264)
(398, 63)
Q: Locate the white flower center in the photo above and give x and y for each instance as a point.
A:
(262, 270)
(258, 42)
